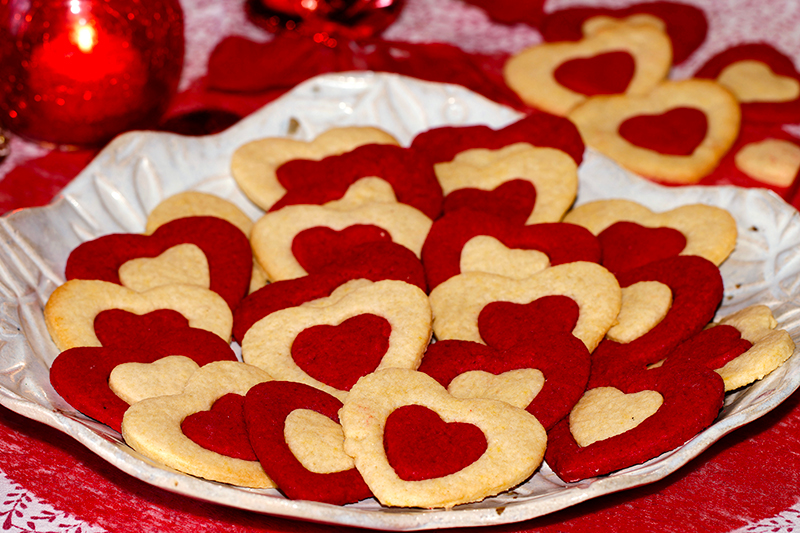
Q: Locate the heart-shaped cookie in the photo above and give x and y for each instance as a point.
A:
(270, 342)
(628, 245)
(221, 429)
(318, 182)
(514, 440)
(373, 261)
(458, 302)
(273, 234)
(599, 120)
(764, 80)
(225, 247)
(71, 309)
(268, 409)
(152, 427)
(504, 325)
(710, 232)
(589, 75)
(678, 131)
(81, 375)
(560, 358)
(315, 248)
(531, 73)
(685, 25)
(450, 238)
(254, 165)
(512, 200)
(692, 397)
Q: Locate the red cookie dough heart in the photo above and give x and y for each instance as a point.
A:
(513, 201)
(266, 408)
(711, 348)
(420, 445)
(319, 182)
(80, 375)
(316, 247)
(676, 132)
(561, 242)
(692, 397)
(697, 289)
(779, 112)
(685, 25)
(358, 344)
(221, 429)
(628, 245)
(590, 75)
(561, 357)
(504, 324)
(373, 261)
(226, 248)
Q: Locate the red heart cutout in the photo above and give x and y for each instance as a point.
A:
(628, 245)
(561, 357)
(227, 250)
(685, 25)
(266, 407)
(315, 247)
(504, 324)
(221, 429)
(712, 348)
(80, 375)
(561, 241)
(318, 182)
(538, 129)
(513, 201)
(374, 261)
(692, 397)
(697, 290)
(339, 355)
(607, 73)
(676, 132)
(420, 445)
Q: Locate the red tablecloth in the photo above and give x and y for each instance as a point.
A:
(48, 482)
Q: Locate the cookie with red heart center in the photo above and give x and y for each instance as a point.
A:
(658, 134)
(617, 59)
(685, 25)
(268, 408)
(627, 245)
(225, 247)
(763, 79)
(443, 253)
(330, 342)
(81, 375)
(318, 182)
(560, 357)
(511, 449)
(373, 261)
(690, 399)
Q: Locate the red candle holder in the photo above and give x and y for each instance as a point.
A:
(79, 72)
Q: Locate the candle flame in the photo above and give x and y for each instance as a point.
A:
(85, 38)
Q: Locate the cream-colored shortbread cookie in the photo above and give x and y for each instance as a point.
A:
(152, 427)
(771, 346)
(594, 25)
(599, 118)
(254, 164)
(487, 254)
(771, 161)
(274, 233)
(515, 440)
(457, 302)
(516, 387)
(710, 231)
(754, 81)
(531, 72)
(268, 343)
(134, 382)
(552, 172)
(183, 263)
(605, 412)
(644, 305)
(316, 441)
(364, 191)
(71, 309)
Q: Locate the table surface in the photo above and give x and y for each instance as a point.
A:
(748, 481)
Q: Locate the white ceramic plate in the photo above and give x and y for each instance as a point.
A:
(137, 170)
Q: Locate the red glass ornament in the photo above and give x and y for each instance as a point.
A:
(78, 72)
